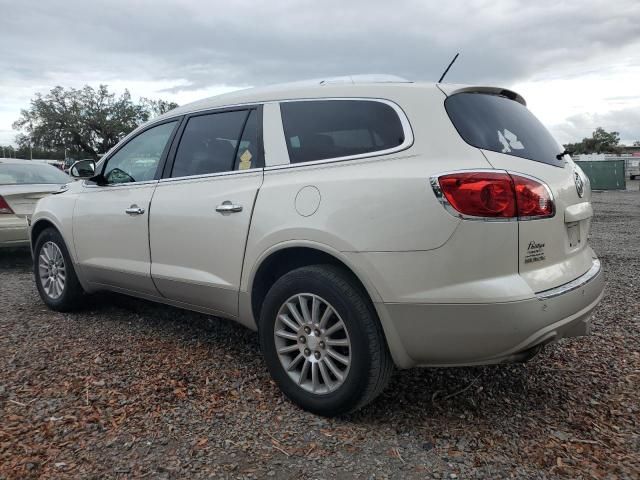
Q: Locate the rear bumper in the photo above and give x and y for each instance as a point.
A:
(484, 333)
(13, 231)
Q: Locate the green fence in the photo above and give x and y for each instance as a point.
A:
(605, 174)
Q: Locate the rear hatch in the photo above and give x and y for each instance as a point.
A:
(552, 251)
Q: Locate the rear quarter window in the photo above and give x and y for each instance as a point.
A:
(325, 129)
(497, 123)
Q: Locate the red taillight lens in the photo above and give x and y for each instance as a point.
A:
(480, 194)
(532, 197)
(4, 206)
(496, 195)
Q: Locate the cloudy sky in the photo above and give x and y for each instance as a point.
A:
(576, 62)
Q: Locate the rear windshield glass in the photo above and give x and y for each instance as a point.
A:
(25, 174)
(496, 123)
(321, 129)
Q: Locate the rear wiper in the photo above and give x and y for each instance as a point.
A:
(565, 152)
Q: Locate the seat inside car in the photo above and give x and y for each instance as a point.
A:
(205, 157)
(316, 146)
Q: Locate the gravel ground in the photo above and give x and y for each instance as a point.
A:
(131, 389)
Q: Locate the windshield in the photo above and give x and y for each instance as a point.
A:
(31, 173)
(497, 123)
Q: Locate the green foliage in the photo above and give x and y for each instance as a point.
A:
(600, 141)
(87, 121)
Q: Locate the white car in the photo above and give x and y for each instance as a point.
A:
(356, 225)
(22, 184)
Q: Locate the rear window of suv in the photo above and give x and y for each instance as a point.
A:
(497, 123)
(324, 129)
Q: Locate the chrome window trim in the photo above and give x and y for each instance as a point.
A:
(409, 138)
(404, 122)
(582, 280)
(437, 190)
(205, 176)
(89, 184)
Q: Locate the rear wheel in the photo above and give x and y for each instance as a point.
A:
(55, 276)
(322, 341)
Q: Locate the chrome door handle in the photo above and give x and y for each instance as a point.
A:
(227, 207)
(134, 210)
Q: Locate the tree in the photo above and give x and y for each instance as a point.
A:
(600, 141)
(636, 143)
(86, 120)
(157, 107)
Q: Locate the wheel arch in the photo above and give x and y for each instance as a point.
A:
(38, 227)
(44, 221)
(287, 256)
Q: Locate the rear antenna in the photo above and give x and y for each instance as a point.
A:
(447, 70)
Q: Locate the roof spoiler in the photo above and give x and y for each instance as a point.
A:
(450, 89)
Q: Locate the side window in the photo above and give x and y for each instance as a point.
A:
(138, 160)
(321, 129)
(247, 155)
(208, 144)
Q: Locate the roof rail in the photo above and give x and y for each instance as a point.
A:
(351, 79)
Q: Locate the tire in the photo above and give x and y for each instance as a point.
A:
(51, 247)
(370, 365)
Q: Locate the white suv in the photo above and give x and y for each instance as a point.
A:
(356, 225)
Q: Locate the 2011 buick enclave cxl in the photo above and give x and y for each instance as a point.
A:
(355, 223)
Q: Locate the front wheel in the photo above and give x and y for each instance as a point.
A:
(322, 341)
(55, 276)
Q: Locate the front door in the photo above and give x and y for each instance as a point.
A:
(201, 212)
(111, 221)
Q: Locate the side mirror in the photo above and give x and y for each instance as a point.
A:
(83, 169)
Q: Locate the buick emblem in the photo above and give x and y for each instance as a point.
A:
(579, 183)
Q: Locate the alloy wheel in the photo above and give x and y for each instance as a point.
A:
(313, 343)
(52, 270)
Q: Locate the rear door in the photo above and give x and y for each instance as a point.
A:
(552, 251)
(202, 209)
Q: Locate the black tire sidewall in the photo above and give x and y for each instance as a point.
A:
(353, 314)
(71, 289)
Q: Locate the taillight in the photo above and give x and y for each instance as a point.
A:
(498, 195)
(4, 206)
(480, 194)
(532, 197)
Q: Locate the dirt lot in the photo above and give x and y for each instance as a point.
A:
(130, 389)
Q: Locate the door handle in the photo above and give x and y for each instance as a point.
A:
(134, 210)
(227, 207)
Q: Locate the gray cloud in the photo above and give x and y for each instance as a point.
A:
(254, 43)
(243, 43)
(624, 121)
